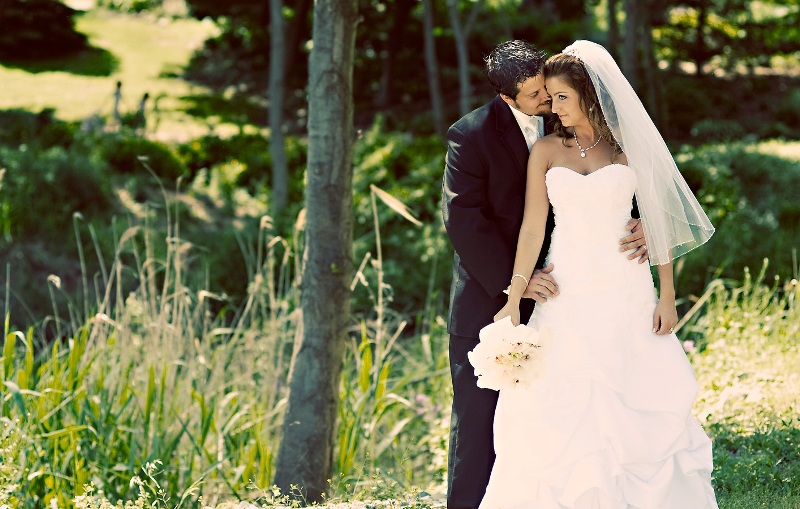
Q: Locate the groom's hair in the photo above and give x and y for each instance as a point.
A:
(510, 63)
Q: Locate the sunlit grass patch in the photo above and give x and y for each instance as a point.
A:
(146, 55)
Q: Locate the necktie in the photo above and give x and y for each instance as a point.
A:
(531, 131)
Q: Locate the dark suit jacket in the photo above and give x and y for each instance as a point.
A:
(483, 198)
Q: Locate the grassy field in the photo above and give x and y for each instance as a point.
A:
(146, 55)
(159, 377)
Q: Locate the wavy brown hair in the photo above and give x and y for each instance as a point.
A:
(570, 69)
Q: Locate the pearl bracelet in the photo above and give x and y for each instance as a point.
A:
(521, 277)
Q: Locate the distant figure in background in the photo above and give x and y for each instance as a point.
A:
(117, 100)
(139, 123)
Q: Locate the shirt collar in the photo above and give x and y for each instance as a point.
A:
(524, 120)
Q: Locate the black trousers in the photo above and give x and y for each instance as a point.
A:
(471, 453)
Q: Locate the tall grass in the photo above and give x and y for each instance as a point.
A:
(159, 368)
(744, 342)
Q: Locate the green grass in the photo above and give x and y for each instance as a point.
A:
(745, 348)
(144, 53)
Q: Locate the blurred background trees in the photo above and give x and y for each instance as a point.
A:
(709, 72)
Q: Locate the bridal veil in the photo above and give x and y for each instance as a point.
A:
(674, 223)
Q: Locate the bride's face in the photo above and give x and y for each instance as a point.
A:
(566, 102)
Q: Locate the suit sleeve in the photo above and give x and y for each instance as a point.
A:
(465, 208)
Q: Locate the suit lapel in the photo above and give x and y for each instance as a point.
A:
(511, 135)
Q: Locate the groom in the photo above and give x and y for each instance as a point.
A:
(483, 197)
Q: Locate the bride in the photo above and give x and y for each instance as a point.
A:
(607, 423)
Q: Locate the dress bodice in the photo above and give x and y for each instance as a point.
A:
(599, 199)
(591, 214)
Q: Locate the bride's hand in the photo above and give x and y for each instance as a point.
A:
(665, 316)
(510, 309)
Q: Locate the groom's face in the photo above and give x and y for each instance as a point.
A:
(532, 98)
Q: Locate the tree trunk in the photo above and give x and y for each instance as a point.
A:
(630, 55)
(650, 71)
(461, 35)
(277, 144)
(305, 458)
(395, 42)
(433, 68)
(613, 29)
(296, 30)
(699, 43)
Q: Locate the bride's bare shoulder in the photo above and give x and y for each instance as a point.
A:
(620, 158)
(549, 143)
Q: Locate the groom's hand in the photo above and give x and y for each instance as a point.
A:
(635, 241)
(542, 285)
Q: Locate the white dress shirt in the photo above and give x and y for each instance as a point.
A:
(532, 126)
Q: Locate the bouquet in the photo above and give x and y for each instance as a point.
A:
(506, 355)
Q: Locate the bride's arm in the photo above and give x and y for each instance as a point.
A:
(665, 316)
(532, 231)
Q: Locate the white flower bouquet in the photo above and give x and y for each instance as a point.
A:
(506, 356)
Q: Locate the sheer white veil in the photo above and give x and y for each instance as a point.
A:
(674, 223)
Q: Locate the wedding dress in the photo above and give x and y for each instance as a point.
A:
(607, 424)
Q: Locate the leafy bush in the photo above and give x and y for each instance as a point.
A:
(750, 197)
(40, 129)
(122, 151)
(417, 259)
(35, 29)
(705, 109)
(41, 190)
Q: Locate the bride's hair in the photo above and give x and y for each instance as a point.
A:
(571, 70)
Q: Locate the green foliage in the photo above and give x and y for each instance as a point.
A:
(42, 189)
(749, 193)
(123, 151)
(159, 375)
(32, 29)
(744, 339)
(708, 109)
(410, 169)
(130, 5)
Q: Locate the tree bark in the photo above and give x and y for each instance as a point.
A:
(630, 55)
(461, 33)
(699, 43)
(277, 143)
(296, 30)
(650, 72)
(402, 12)
(432, 66)
(305, 458)
(613, 29)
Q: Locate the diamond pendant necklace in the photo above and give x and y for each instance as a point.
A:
(584, 150)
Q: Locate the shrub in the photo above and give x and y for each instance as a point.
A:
(43, 189)
(35, 29)
(417, 259)
(41, 129)
(750, 196)
(122, 151)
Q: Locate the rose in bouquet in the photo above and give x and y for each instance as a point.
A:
(507, 355)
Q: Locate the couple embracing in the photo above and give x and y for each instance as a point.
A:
(539, 190)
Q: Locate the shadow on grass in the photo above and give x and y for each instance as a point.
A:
(90, 61)
(236, 109)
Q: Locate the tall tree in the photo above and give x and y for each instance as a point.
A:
(395, 42)
(305, 457)
(613, 28)
(277, 144)
(433, 68)
(461, 33)
(630, 54)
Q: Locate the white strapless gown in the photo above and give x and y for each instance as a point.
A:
(608, 424)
